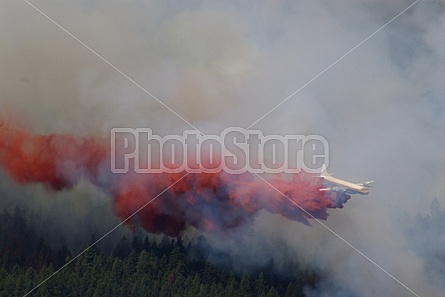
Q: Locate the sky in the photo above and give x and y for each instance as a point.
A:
(228, 63)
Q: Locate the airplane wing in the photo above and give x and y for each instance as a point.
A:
(339, 190)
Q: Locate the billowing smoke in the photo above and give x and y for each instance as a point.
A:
(207, 201)
(224, 63)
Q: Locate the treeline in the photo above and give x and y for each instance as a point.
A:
(140, 266)
(426, 237)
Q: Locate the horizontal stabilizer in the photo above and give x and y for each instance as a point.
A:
(326, 189)
(367, 184)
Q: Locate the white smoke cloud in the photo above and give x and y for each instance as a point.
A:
(228, 63)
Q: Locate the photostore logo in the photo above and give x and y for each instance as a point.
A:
(235, 151)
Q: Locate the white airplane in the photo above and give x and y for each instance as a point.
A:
(342, 186)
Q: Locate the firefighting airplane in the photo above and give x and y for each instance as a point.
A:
(344, 187)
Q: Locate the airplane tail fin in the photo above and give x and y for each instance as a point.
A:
(324, 171)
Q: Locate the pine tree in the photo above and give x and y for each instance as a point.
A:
(293, 290)
(245, 285)
(123, 248)
(194, 287)
(137, 244)
(260, 284)
(272, 293)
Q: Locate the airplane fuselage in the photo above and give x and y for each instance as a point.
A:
(351, 188)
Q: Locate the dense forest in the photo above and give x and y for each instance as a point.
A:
(426, 236)
(144, 265)
(138, 266)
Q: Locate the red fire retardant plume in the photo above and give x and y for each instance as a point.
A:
(211, 202)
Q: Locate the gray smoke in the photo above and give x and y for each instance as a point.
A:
(227, 63)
